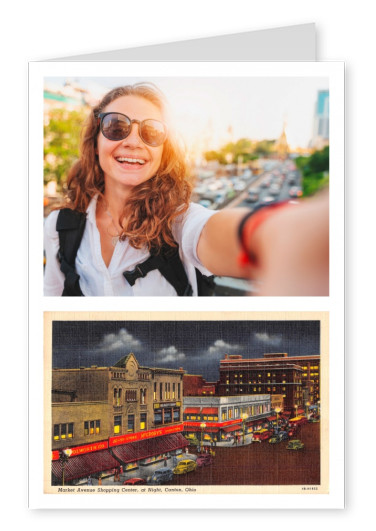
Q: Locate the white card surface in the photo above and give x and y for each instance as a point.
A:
(217, 60)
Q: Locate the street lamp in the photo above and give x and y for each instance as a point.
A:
(202, 426)
(64, 457)
(277, 410)
(244, 418)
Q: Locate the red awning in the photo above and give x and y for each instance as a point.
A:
(232, 428)
(271, 418)
(211, 430)
(84, 465)
(131, 452)
(191, 411)
(209, 411)
(301, 411)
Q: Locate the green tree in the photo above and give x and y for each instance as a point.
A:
(61, 143)
(315, 170)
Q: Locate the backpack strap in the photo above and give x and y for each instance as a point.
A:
(168, 262)
(70, 225)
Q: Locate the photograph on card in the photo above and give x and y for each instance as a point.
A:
(184, 404)
(186, 186)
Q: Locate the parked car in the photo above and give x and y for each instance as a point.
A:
(262, 435)
(161, 475)
(279, 437)
(135, 481)
(204, 460)
(295, 444)
(185, 466)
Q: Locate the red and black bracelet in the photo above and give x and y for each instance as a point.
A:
(248, 225)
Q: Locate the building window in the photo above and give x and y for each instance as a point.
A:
(143, 421)
(63, 431)
(130, 423)
(155, 391)
(131, 395)
(97, 427)
(56, 432)
(178, 390)
(224, 414)
(161, 391)
(117, 424)
(91, 427)
(157, 417)
(142, 396)
(173, 391)
(167, 416)
(176, 414)
(236, 412)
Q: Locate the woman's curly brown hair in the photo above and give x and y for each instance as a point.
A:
(152, 206)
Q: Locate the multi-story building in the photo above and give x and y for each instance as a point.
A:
(217, 417)
(131, 415)
(320, 136)
(275, 373)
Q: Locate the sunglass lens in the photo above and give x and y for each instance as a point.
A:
(115, 126)
(153, 132)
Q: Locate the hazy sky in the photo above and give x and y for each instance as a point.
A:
(196, 346)
(205, 108)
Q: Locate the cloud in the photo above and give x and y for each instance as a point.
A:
(122, 341)
(270, 339)
(220, 347)
(170, 354)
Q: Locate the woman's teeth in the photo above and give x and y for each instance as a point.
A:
(130, 161)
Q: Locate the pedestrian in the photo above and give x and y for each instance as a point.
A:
(131, 195)
(186, 450)
(100, 480)
(165, 460)
(89, 481)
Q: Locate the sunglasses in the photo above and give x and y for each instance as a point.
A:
(117, 126)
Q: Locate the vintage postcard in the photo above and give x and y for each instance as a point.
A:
(189, 404)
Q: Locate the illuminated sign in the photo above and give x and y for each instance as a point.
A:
(80, 450)
(141, 435)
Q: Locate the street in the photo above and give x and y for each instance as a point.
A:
(262, 464)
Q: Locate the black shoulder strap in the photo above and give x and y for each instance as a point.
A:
(70, 225)
(168, 262)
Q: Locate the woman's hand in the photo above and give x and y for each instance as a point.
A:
(291, 247)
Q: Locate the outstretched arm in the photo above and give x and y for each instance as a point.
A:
(290, 247)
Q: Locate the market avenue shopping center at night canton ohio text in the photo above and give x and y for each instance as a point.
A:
(129, 424)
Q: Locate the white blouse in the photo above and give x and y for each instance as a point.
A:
(98, 280)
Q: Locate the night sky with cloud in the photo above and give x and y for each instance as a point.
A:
(196, 346)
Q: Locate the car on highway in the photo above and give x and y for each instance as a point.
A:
(135, 481)
(252, 196)
(295, 444)
(204, 460)
(268, 199)
(295, 191)
(185, 466)
(161, 475)
(205, 203)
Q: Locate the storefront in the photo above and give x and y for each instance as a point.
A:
(83, 461)
(145, 448)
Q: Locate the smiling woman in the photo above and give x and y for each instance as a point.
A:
(127, 226)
